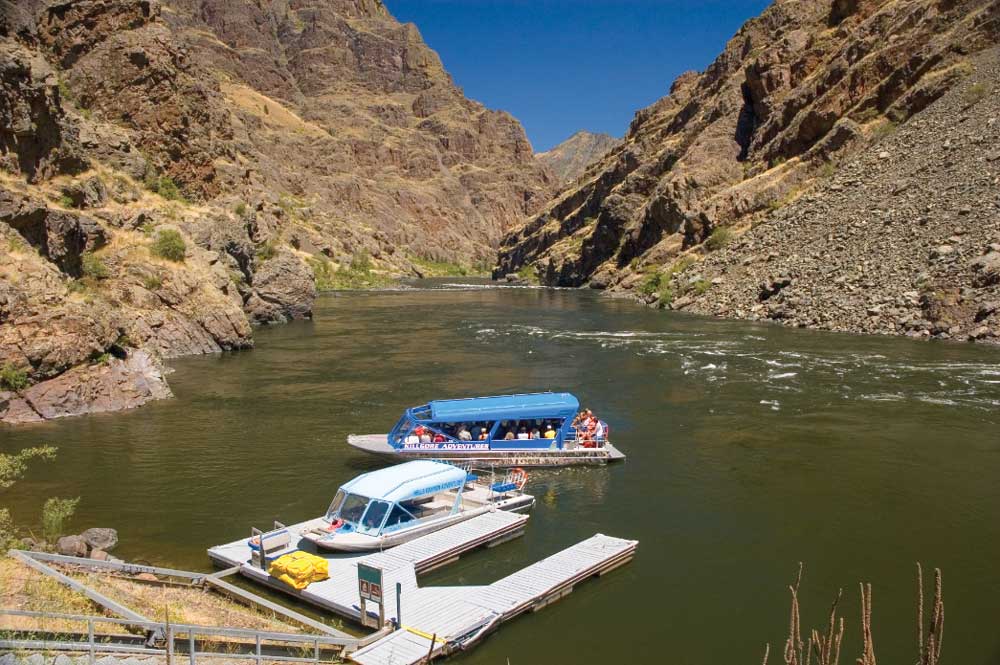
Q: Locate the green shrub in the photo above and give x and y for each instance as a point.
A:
(169, 245)
(267, 251)
(164, 186)
(526, 273)
(651, 284)
(240, 209)
(666, 297)
(720, 237)
(441, 268)
(169, 190)
(974, 93)
(55, 512)
(77, 286)
(701, 286)
(356, 275)
(885, 129)
(93, 266)
(66, 201)
(361, 261)
(8, 531)
(827, 170)
(102, 358)
(152, 282)
(12, 378)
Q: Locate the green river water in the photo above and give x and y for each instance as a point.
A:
(751, 448)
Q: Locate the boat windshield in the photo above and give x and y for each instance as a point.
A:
(331, 514)
(353, 508)
(375, 514)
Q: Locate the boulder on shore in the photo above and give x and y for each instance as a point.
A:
(72, 546)
(100, 538)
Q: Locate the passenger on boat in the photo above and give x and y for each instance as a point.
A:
(550, 432)
(424, 434)
(535, 434)
(484, 434)
(522, 433)
(463, 433)
(439, 437)
(509, 436)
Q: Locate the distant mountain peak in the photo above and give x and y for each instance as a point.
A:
(570, 159)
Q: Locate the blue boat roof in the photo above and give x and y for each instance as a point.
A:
(505, 407)
(407, 481)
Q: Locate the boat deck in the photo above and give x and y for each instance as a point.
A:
(457, 616)
(378, 444)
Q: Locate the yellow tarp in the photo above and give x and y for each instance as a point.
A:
(299, 569)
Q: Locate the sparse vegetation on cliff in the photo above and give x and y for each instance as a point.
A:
(169, 245)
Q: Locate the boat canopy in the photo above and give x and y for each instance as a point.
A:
(405, 482)
(504, 407)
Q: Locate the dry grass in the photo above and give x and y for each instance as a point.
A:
(22, 588)
(274, 114)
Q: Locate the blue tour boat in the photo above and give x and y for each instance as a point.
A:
(529, 430)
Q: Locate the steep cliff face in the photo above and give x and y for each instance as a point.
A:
(570, 159)
(795, 93)
(397, 160)
(171, 173)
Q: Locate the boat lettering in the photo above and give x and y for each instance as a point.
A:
(446, 446)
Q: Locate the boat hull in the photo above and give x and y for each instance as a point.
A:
(361, 543)
(378, 444)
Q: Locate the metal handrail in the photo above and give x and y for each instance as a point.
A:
(170, 631)
(187, 628)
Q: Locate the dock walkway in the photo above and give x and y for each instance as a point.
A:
(452, 617)
(458, 616)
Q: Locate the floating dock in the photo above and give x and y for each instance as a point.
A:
(439, 620)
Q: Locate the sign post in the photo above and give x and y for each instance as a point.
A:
(370, 589)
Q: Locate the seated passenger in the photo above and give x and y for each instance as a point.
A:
(484, 434)
(463, 433)
(535, 434)
(412, 438)
(439, 437)
(509, 436)
(522, 433)
(550, 432)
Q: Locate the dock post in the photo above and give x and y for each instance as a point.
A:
(191, 646)
(90, 641)
(399, 604)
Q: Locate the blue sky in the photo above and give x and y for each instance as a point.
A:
(564, 65)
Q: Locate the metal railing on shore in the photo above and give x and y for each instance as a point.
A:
(169, 640)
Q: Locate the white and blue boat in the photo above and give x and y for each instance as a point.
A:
(388, 507)
(528, 430)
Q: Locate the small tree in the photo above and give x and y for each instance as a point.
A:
(169, 245)
(12, 378)
(55, 512)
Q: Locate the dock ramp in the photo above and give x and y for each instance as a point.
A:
(455, 617)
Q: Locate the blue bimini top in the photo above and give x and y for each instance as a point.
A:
(505, 407)
(408, 481)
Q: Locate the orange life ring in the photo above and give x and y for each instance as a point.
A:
(335, 524)
(519, 477)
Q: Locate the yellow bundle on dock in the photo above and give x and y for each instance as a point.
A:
(299, 569)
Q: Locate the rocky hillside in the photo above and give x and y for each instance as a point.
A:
(782, 113)
(914, 243)
(172, 173)
(570, 159)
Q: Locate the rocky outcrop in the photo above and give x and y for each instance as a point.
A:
(283, 290)
(570, 159)
(793, 96)
(903, 239)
